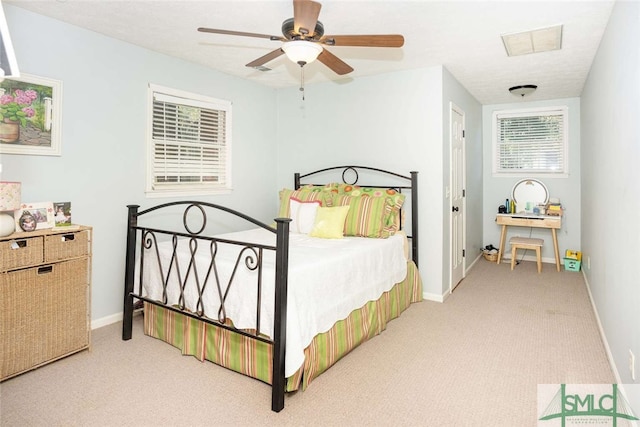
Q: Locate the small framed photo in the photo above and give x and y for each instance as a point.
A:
(62, 214)
(34, 216)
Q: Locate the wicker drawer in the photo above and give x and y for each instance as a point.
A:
(66, 245)
(43, 314)
(19, 253)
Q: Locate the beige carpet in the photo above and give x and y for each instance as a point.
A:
(474, 360)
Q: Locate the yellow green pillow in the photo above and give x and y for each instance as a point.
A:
(374, 212)
(329, 222)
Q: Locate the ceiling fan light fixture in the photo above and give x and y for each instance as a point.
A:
(523, 90)
(301, 51)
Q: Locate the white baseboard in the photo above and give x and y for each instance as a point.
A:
(441, 298)
(602, 335)
(434, 297)
(472, 264)
(105, 321)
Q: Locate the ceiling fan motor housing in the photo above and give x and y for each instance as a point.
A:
(289, 33)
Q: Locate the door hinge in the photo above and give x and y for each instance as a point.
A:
(464, 193)
(463, 133)
(464, 253)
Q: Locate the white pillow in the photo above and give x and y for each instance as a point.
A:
(303, 215)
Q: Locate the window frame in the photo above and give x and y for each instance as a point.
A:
(186, 189)
(562, 111)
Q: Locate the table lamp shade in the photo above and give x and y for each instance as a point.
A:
(9, 196)
(10, 199)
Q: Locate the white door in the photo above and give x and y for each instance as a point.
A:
(457, 184)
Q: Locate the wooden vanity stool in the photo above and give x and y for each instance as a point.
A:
(526, 243)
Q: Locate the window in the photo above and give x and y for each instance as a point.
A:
(530, 142)
(188, 144)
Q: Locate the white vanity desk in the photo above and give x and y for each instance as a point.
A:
(529, 220)
(528, 193)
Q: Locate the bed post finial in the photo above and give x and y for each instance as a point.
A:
(130, 259)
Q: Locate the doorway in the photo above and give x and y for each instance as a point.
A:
(457, 186)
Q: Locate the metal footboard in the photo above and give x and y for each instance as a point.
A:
(250, 257)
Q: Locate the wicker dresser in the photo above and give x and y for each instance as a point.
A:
(45, 282)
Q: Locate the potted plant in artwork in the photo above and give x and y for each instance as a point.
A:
(15, 109)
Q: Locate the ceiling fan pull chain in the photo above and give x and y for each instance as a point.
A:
(302, 81)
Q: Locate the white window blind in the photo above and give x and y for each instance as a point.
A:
(190, 143)
(530, 142)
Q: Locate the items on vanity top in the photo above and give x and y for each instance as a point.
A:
(531, 196)
(554, 207)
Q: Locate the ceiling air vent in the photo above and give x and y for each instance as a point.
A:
(262, 68)
(534, 41)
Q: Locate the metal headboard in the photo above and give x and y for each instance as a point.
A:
(412, 186)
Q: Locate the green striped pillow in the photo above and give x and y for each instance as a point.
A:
(308, 193)
(372, 213)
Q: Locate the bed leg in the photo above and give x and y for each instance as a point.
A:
(130, 260)
(280, 314)
(277, 400)
(127, 318)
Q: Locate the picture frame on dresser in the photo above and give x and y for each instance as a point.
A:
(39, 214)
(62, 214)
(31, 108)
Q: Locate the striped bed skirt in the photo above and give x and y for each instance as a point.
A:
(254, 358)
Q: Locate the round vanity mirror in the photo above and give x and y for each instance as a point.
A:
(529, 193)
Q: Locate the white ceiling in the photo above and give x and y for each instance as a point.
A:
(462, 36)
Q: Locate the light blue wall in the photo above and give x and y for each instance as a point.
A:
(497, 189)
(392, 122)
(101, 169)
(610, 179)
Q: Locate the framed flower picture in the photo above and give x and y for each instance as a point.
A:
(30, 108)
(34, 216)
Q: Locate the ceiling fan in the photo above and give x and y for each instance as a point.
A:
(303, 39)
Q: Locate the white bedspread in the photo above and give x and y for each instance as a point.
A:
(328, 278)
